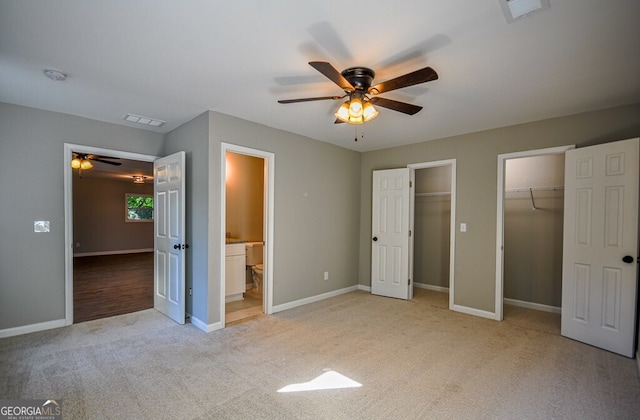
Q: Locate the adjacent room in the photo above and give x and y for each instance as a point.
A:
(318, 210)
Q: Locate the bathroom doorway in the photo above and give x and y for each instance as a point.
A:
(247, 225)
(244, 230)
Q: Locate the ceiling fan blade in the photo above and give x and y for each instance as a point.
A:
(103, 157)
(337, 121)
(332, 74)
(426, 74)
(396, 105)
(107, 161)
(319, 98)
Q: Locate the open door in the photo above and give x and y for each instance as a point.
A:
(169, 243)
(391, 269)
(600, 246)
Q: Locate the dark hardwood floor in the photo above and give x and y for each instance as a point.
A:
(111, 285)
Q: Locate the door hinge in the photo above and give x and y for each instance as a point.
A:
(409, 282)
(409, 232)
(410, 184)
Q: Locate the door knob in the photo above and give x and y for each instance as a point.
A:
(375, 238)
(628, 259)
(176, 246)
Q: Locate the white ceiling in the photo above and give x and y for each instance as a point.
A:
(173, 60)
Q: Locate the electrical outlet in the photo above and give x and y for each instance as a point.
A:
(463, 227)
(326, 275)
(77, 244)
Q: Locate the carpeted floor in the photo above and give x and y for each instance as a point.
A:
(414, 360)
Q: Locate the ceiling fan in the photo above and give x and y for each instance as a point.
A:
(83, 160)
(356, 83)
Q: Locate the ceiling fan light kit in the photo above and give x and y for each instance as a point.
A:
(82, 161)
(356, 82)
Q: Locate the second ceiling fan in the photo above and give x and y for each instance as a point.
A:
(356, 83)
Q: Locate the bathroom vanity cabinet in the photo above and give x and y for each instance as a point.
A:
(235, 274)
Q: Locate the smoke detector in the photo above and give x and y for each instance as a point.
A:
(55, 75)
(517, 9)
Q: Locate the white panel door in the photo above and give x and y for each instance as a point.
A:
(169, 243)
(391, 236)
(599, 271)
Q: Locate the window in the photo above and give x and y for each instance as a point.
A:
(139, 208)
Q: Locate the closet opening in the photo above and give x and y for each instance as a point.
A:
(530, 232)
(433, 236)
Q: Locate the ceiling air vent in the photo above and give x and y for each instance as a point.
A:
(516, 9)
(153, 122)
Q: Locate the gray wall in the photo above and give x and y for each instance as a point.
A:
(32, 188)
(99, 216)
(476, 155)
(317, 196)
(193, 138)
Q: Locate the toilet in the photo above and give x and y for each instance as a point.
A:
(254, 255)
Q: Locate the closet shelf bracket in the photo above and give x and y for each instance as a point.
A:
(533, 202)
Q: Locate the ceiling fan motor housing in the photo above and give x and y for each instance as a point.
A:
(359, 77)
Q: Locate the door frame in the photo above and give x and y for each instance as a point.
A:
(452, 227)
(68, 212)
(268, 222)
(502, 158)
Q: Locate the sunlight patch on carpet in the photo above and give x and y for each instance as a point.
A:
(328, 380)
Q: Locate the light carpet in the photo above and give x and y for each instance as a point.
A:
(414, 359)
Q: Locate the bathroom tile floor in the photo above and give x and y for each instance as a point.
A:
(243, 310)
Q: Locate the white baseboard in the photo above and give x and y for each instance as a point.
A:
(206, 327)
(532, 305)
(305, 301)
(118, 252)
(364, 288)
(474, 312)
(431, 287)
(26, 329)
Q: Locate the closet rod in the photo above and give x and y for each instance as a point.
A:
(527, 189)
(432, 194)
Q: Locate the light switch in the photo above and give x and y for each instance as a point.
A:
(463, 227)
(40, 226)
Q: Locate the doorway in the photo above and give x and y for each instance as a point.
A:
(69, 218)
(434, 213)
(244, 232)
(247, 226)
(529, 230)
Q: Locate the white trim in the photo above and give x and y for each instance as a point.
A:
(316, 298)
(117, 252)
(68, 212)
(268, 234)
(502, 158)
(533, 305)
(431, 287)
(452, 240)
(26, 329)
(472, 311)
(206, 327)
(364, 288)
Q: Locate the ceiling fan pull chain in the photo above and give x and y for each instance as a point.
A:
(356, 129)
